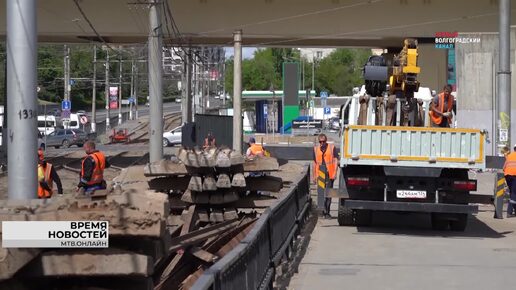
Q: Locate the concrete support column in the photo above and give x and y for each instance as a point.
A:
(155, 82)
(187, 102)
(237, 92)
(120, 86)
(22, 99)
(504, 77)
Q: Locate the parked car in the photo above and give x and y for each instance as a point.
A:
(333, 123)
(67, 138)
(172, 137)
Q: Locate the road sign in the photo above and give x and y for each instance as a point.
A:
(324, 94)
(66, 105)
(312, 103)
(72, 82)
(327, 110)
(84, 119)
(504, 135)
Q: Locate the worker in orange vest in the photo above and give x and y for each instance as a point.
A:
(325, 154)
(441, 108)
(509, 170)
(209, 141)
(47, 175)
(254, 149)
(92, 169)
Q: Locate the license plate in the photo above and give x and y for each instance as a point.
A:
(411, 194)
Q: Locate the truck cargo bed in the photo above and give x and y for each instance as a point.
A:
(413, 146)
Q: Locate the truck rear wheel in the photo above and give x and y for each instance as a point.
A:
(345, 215)
(439, 223)
(459, 224)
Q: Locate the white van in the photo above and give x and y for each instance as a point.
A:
(74, 122)
(47, 124)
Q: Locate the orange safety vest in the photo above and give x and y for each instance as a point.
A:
(98, 171)
(208, 144)
(42, 192)
(256, 149)
(509, 168)
(331, 166)
(436, 119)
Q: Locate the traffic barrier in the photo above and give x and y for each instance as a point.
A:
(251, 264)
(499, 195)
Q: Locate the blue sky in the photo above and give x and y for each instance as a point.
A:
(247, 52)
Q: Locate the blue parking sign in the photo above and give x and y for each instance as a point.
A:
(327, 110)
(66, 105)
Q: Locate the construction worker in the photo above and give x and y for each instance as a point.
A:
(92, 169)
(254, 149)
(47, 175)
(325, 154)
(209, 141)
(509, 171)
(441, 108)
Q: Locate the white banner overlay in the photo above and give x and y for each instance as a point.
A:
(55, 234)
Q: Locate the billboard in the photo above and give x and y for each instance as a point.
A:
(113, 97)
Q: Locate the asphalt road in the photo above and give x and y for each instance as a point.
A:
(401, 251)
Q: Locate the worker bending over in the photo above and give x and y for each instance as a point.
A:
(254, 149)
(92, 169)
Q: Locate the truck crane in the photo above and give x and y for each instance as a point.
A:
(395, 163)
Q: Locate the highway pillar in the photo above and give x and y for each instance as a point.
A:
(186, 104)
(106, 90)
(155, 82)
(22, 116)
(504, 77)
(237, 91)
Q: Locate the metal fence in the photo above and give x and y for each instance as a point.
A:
(251, 264)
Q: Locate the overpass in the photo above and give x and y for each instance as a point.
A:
(315, 23)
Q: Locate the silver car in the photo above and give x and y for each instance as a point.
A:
(67, 138)
(172, 137)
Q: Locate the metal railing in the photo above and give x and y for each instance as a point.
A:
(251, 264)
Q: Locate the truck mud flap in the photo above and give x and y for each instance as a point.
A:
(411, 206)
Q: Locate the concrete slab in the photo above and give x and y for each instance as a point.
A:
(102, 263)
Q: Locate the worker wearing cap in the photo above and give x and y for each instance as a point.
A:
(325, 154)
(47, 175)
(92, 169)
(509, 170)
(254, 149)
(441, 108)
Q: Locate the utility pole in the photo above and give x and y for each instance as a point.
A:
(120, 85)
(108, 110)
(94, 92)
(21, 97)
(155, 82)
(132, 89)
(136, 90)
(504, 76)
(313, 72)
(66, 80)
(237, 92)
